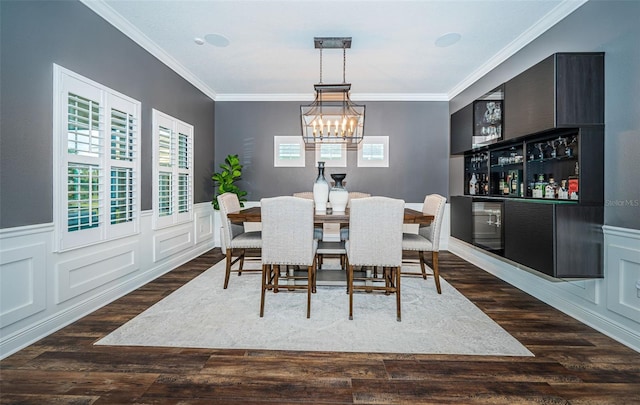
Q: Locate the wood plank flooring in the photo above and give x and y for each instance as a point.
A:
(573, 363)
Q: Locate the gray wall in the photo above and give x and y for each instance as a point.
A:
(611, 27)
(418, 145)
(36, 34)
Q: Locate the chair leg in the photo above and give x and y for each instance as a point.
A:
(309, 289)
(241, 262)
(398, 312)
(276, 274)
(227, 269)
(422, 265)
(314, 275)
(350, 287)
(265, 267)
(436, 272)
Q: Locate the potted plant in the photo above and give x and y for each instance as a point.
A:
(231, 172)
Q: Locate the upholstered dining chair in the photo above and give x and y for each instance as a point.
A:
(375, 239)
(287, 240)
(428, 237)
(344, 230)
(317, 230)
(234, 236)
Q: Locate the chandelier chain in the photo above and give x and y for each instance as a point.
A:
(344, 63)
(320, 62)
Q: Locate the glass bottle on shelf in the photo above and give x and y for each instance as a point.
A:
(473, 184)
(573, 184)
(539, 188)
(485, 184)
(563, 194)
(506, 185)
(514, 186)
(550, 189)
(501, 183)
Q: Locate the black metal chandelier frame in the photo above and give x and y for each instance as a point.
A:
(332, 117)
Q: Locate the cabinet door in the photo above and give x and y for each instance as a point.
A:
(461, 130)
(528, 235)
(529, 101)
(579, 241)
(579, 89)
(461, 221)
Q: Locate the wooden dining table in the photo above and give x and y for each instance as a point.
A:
(328, 276)
(254, 214)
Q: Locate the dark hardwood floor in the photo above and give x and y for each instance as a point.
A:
(573, 363)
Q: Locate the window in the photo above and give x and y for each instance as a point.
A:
(332, 154)
(288, 151)
(96, 162)
(173, 170)
(373, 151)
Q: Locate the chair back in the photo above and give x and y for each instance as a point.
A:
(229, 202)
(304, 194)
(287, 231)
(375, 232)
(356, 194)
(433, 205)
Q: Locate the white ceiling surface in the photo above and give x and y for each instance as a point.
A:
(271, 54)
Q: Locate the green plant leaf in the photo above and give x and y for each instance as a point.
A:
(231, 171)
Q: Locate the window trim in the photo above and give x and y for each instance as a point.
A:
(293, 140)
(374, 140)
(339, 162)
(177, 127)
(64, 82)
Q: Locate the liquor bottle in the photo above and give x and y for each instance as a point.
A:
(540, 185)
(506, 185)
(480, 185)
(485, 184)
(550, 189)
(472, 184)
(514, 183)
(563, 194)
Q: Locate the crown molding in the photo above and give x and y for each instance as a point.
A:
(399, 97)
(354, 97)
(264, 97)
(553, 17)
(112, 17)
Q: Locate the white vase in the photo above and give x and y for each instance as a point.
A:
(321, 190)
(338, 199)
(338, 195)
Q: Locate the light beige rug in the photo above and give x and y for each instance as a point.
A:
(201, 314)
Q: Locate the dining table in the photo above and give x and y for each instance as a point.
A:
(254, 214)
(328, 276)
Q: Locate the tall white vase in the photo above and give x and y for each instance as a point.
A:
(321, 190)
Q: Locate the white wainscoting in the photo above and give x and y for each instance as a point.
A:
(22, 282)
(622, 260)
(610, 305)
(42, 291)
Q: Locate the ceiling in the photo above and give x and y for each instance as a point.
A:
(270, 54)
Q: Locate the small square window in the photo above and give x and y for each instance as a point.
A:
(332, 154)
(373, 151)
(288, 151)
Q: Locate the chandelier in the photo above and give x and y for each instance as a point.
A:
(332, 117)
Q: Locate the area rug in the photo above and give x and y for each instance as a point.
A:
(201, 314)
